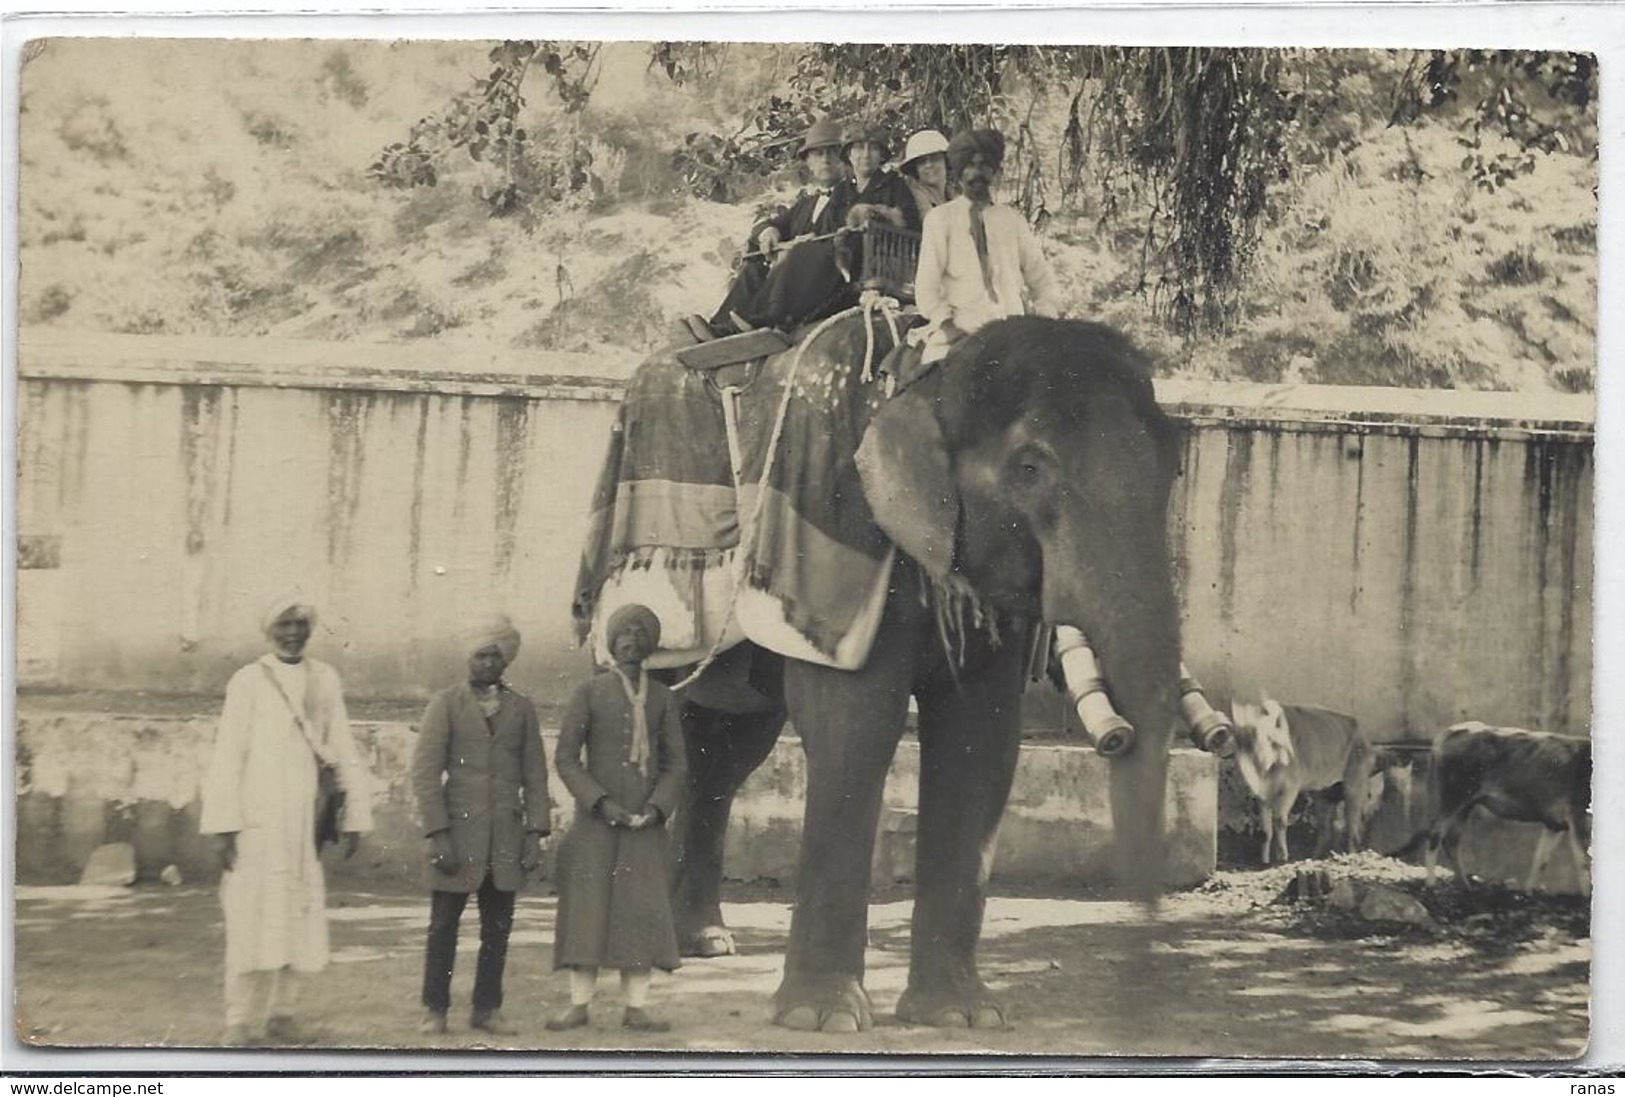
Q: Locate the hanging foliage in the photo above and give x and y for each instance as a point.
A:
(1542, 102)
(485, 124)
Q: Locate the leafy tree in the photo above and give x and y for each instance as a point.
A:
(1543, 102)
(1189, 147)
(485, 123)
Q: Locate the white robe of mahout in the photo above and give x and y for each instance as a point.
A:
(261, 785)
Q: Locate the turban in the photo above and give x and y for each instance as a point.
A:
(636, 696)
(990, 143)
(291, 601)
(628, 615)
(493, 631)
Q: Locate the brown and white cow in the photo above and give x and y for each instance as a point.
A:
(1283, 750)
(1520, 775)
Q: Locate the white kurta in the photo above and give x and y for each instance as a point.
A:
(261, 785)
(949, 285)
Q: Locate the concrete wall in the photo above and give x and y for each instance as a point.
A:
(88, 778)
(1412, 558)
(177, 486)
(1415, 559)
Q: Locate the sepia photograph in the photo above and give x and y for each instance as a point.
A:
(974, 550)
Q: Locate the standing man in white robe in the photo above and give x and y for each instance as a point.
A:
(259, 799)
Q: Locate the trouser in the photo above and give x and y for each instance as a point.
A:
(253, 997)
(496, 921)
(806, 284)
(634, 984)
(742, 292)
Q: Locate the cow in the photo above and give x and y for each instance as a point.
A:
(1390, 768)
(1523, 776)
(1283, 750)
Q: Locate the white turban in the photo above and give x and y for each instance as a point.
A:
(493, 631)
(289, 601)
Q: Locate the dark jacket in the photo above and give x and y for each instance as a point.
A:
(797, 218)
(484, 779)
(888, 188)
(614, 888)
(598, 720)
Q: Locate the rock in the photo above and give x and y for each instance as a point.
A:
(1310, 884)
(172, 876)
(1343, 896)
(111, 865)
(1386, 904)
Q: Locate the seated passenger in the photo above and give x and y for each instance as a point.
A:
(818, 211)
(925, 170)
(877, 193)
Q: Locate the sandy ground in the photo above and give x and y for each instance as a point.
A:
(1225, 970)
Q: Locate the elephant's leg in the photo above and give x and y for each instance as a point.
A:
(723, 750)
(970, 736)
(849, 724)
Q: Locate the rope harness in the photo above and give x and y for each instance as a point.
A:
(750, 530)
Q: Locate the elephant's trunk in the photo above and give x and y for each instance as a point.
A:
(1134, 631)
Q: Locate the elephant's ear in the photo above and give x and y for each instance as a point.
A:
(908, 480)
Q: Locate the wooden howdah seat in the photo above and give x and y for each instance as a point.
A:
(888, 260)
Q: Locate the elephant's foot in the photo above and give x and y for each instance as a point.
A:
(971, 1006)
(710, 942)
(822, 1003)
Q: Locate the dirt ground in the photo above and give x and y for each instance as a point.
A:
(1227, 969)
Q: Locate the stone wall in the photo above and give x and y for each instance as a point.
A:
(88, 778)
(1413, 558)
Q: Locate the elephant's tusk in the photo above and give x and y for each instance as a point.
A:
(1210, 729)
(1104, 727)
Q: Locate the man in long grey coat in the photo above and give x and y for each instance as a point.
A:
(481, 786)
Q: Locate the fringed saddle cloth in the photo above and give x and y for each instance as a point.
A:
(668, 523)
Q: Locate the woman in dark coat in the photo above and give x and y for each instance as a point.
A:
(614, 893)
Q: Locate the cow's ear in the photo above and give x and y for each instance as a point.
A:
(908, 479)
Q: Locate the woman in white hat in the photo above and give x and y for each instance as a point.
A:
(925, 170)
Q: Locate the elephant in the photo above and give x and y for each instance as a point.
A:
(1029, 470)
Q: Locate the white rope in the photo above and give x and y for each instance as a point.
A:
(752, 529)
(869, 301)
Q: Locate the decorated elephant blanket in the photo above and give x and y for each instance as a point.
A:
(791, 559)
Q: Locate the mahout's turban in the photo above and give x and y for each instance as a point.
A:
(990, 143)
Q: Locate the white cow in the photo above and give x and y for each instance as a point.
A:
(1283, 750)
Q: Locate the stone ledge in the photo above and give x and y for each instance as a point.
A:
(88, 778)
(472, 367)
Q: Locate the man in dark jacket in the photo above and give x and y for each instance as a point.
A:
(480, 779)
(819, 210)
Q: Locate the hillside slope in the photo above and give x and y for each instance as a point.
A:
(221, 188)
